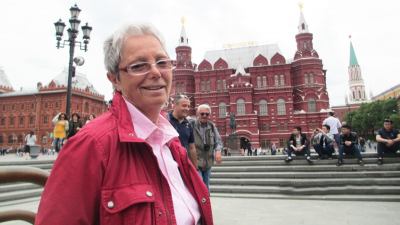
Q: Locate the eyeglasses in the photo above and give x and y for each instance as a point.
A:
(204, 114)
(142, 68)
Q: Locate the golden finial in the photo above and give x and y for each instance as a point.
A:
(183, 21)
(301, 6)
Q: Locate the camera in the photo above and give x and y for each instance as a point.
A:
(206, 147)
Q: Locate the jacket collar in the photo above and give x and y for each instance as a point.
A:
(126, 132)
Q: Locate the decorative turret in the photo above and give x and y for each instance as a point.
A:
(183, 51)
(5, 85)
(304, 39)
(356, 83)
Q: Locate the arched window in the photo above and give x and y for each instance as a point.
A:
(263, 108)
(240, 107)
(276, 79)
(282, 80)
(281, 107)
(259, 82)
(20, 138)
(222, 110)
(86, 107)
(264, 81)
(10, 139)
(311, 79)
(312, 105)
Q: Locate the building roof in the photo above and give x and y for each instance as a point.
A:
(79, 81)
(353, 58)
(4, 79)
(21, 92)
(386, 92)
(243, 56)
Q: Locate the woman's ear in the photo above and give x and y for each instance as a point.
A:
(113, 78)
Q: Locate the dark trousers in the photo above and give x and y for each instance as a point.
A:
(382, 148)
(349, 150)
(321, 150)
(305, 151)
(58, 143)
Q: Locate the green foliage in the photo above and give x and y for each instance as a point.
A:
(369, 117)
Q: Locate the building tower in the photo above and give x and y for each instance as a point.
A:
(5, 85)
(309, 80)
(356, 83)
(183, 79)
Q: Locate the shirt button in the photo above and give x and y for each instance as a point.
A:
(110, 204)
(203, 200)
(149, 193)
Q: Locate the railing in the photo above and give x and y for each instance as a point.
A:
(10, 174)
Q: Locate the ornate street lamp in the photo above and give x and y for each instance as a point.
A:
(71, 42)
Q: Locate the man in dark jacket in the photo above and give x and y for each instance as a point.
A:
(348, 144)
(178, 120)
(299, 145)
(388, 140)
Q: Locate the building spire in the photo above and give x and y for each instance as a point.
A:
(353, 58)
(356, 82)
(183, 40)
(303, 27)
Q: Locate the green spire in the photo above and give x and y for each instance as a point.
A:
(353, 58)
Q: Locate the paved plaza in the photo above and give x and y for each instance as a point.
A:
(242, 211)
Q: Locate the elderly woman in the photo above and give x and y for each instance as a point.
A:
(127, 166)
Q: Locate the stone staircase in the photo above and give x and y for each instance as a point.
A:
(11, 192)
(271, 177)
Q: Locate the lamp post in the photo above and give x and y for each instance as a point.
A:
(71, 42)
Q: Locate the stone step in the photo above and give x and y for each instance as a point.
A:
(348, 190)
(369, 198)
(301, 175)
(17, 187)
(22, 194)
(307, 168)
(303, 183)
(282, 157)
(44, 166)
(302, 161)
(25, 162)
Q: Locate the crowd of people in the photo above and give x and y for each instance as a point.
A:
(62, 131)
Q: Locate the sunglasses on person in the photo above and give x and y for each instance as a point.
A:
(204, 114)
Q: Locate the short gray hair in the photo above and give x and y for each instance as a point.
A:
(204, 106)
(114, 43)
(177, 98)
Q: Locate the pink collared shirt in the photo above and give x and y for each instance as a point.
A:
(157, 136)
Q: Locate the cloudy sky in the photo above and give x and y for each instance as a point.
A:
(28, 53)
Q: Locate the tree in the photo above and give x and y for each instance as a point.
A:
(370, 116)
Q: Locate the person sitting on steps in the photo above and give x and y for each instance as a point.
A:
(299, 145)
(388, 140)
(349, 144)
(323, 142)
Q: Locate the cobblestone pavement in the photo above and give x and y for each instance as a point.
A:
(241, 211)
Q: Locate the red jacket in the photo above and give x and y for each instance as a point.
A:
(106, 175)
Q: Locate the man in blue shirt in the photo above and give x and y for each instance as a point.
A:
(178, 120)
(388, 140)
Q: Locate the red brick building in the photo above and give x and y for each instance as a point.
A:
(268, 93)
(25, 110)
